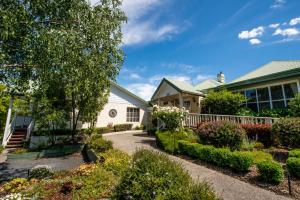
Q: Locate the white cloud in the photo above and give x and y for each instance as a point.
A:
(274, 25)
(295, 21)
(143, 90)
(141, 28)
(157, 78)
(254, 41)
(134, 76)
(278, 4)
(145, 32)
(203, 77)
(258, 31)
(287, 32)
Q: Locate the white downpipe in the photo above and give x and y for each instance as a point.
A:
(6, 130)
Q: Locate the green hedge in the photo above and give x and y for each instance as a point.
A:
(293, 165)
(168, 140)
(237, 161)
(122, 127)
(295, 153)
(153, 175)
(98, 144)
(270, 171)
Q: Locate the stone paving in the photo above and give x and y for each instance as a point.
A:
(227, 187)
(19, 167)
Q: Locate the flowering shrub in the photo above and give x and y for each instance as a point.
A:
(85, 169)
(171, 116)
(15, 185)
(222, 134)
(115, 161)
(259, 132)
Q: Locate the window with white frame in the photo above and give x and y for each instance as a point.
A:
(187, 104)
(275, 96)
(133, 115)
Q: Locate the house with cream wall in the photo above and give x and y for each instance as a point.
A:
(270, 86)
(123, 107)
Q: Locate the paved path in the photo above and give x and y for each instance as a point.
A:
(227, 187)
(13, 168)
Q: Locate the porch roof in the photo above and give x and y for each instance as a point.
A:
(180, 86)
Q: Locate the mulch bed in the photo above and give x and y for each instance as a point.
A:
(252, 178)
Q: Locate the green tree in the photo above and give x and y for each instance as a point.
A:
(64, 51)
(223, 102)
(294, 105)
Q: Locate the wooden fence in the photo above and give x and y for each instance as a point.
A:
(193, 119)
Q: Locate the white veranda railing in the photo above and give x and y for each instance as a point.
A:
(193, 119)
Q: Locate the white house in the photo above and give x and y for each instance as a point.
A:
(123, 107)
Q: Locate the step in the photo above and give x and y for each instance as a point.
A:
(9, 146)
(19, 133)
(16, 139)
(15, 142)
(17, 136)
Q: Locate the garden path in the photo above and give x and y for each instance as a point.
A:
(227, 187)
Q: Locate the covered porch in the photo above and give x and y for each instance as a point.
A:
(178, 94)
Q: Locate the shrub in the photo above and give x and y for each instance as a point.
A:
(240, 162)
(16, 185)
(244, 111)
(295, 153)
(259, 156)
(115, 161)
(270, 171)
(122, 127)
(171, 116)
(40, 172)
(294, 105)
(103, 130)
(223, 102)
(154, 176)
(286, 132)
(222, 134)
(98, 184)
(168, 140)
(293, 165)
(237, 161)
(275, 112)
(100, 145)
(1, 148)
(259, 132)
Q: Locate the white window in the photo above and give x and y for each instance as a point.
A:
(187, 104)
(276, 96)
(133, 115)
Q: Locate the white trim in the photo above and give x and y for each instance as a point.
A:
(270, 97)
(284, 97)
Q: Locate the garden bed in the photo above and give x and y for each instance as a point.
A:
(252, 178)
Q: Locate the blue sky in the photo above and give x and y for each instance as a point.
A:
(196, 39)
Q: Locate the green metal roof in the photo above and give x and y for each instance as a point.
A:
(268, 69)
(183, 86)
(180, 86)
(208, 84)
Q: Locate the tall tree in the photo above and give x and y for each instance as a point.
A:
(64, 51)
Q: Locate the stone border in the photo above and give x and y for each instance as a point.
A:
(124, 132)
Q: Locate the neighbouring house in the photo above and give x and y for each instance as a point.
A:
(177, 93)
(270, 86)
(123, 107)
